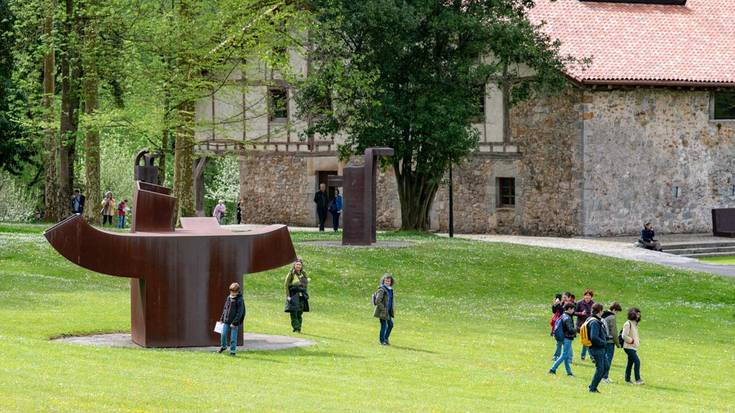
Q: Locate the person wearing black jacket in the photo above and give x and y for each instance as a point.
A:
(569, 332)
(232, 317)
(598, 336)
(77, 202)
(321, 199)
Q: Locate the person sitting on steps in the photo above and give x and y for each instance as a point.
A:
(647, 241)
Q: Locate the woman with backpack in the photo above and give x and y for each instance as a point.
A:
(383, 300)
(297, 296)
(631, 342)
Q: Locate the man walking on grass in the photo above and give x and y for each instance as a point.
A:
(598, 337)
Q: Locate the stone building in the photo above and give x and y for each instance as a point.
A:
(646, 132)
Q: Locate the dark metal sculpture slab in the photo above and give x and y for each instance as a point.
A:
(723, 222)
(179, 277)
(360, 202)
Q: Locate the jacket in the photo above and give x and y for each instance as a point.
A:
(598, 332)
(630, 335)
(335, 204)
(321, 199)
(608, 317)
(233, 311)
(81, 204)
(297, 292)
(647, 235)
(382, 311)
(581, 307)
(567, 325)
(108, 206)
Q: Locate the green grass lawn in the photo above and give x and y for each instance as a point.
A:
(471, 335)
(726, 260)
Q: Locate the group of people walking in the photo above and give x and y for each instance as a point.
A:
(109, 208)
(297, 303)
(598, 331)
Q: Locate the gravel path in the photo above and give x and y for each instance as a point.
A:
(609, 248)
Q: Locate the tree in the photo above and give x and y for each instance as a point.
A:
(406, 74)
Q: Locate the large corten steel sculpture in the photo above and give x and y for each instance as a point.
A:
(179, 277)
(359, 192)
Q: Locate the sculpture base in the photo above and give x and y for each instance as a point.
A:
(252, 342)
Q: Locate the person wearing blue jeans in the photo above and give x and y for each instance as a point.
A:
(383, 300)
(569, 332)
(232, 317)
(598, 337)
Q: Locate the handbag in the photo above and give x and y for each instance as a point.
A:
(219, 327)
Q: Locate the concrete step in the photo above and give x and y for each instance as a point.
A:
(694, 245)
(711, 254)
(702, 250)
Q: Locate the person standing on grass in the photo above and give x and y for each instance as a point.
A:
(584, 310)
(297, 295)
(557, 309)
(108, 206)
(121, 211)
(569, 332)
(321, 199)
(232, 317)
(608, 317)
(383, 300)
(598, 337)
(77, 202)
(335, 208)
(631, 342)
(219, 212)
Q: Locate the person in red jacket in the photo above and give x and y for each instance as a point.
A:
(121, 212)
(584, 311)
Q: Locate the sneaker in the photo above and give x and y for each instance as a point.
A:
(570, 375)
(232, 354)
(607, 381)
(639, 382)
(552, 372)
(387, 342)
(383, 343)
(221, 349)
(582, 358)
(594, 391)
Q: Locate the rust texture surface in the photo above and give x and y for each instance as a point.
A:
(179, 278)
(359, 198)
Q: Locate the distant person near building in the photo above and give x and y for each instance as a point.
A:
(647, 240)
(77, 202)
(321, 199)
(240, 204)
(335, 208)
(219, 212)
(108, 207)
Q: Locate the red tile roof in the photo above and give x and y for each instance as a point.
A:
(645, 43)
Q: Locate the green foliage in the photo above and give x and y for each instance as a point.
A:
(17, 202)
(471, 334)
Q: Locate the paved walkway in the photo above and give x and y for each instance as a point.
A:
(618, 247)
(251, 342)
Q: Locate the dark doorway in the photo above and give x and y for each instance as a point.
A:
(322, 179)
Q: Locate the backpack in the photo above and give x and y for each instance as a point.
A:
(584, 333)
(620, 339)
(559, 329)
(375, 296)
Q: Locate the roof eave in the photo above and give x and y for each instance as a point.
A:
(670, 83)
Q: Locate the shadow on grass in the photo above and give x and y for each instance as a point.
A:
(305, 352)
(664, 388)
(418, 350)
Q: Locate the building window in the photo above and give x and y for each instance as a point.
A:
(478, 115)
(278, 104)
(724, 105)
(506, 192)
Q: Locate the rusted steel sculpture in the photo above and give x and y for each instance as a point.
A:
(146, 172)
(359, 193)
(179, 277)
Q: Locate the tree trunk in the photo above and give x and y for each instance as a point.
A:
(416, 193)
(71, 73)
(91, 149)
(50, 141)
(184, 160)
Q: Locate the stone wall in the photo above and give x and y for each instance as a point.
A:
(640, 145)
(548, 131)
